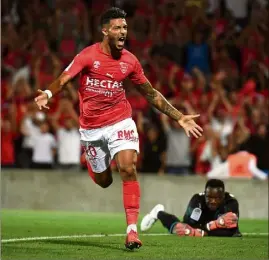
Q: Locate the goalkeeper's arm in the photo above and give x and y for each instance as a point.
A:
(226, 224)
(193, 213)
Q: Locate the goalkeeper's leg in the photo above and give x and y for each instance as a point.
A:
(158, 213)
(168, 220)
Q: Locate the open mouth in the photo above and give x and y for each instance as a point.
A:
(121, 41)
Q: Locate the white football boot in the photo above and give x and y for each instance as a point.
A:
(149, 220)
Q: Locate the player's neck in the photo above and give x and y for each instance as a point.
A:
(115, 54)
(105, 47)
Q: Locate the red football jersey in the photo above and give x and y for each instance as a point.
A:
(101, 92)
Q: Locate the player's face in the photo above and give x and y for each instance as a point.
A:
(117, 33)
(214, 197)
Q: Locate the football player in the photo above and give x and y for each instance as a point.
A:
(214, 212)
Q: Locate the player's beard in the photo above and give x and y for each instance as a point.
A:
(115, 51)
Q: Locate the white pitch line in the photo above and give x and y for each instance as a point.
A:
(10, 240)
(13, 240)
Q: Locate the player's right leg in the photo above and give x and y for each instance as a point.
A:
(104, 179)
(98, 163)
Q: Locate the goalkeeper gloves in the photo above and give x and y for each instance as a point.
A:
(227, 220)
(183, 229)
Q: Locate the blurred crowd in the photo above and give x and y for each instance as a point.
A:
(206, 56)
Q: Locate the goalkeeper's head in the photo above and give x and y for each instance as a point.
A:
(214, 194)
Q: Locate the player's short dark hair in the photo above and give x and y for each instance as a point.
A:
(215, 183)
(112, 13)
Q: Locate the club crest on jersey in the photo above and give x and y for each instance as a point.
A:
(96, 64)
(123, 67)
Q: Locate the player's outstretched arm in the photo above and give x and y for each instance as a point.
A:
(159, 101)
(55, 87)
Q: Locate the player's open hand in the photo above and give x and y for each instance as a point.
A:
(42, 100)
(188, 124)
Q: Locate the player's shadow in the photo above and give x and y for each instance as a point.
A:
(83, 243)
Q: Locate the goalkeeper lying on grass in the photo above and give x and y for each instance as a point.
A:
(212, 213)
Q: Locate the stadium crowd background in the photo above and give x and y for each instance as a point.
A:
(209, 57)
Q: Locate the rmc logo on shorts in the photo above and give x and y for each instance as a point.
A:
(127, 135)
(103, 83)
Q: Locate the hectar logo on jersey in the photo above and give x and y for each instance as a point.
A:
(109, 84)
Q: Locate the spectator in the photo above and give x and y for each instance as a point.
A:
(205, 151)
(154, 152)
(222, 125)
(178, 160)
(67, 135)
(46, 68)
(30, 128)
(258, 144)
(198, 54)
(8, 134)
(239, 11)
(44, 148)
(238, 165)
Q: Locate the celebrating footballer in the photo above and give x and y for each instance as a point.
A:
(106, 126)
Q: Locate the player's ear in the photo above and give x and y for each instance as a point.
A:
(104, 31)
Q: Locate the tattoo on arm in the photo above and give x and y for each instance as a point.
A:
(158, 101)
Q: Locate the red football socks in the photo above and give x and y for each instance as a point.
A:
(131, 201)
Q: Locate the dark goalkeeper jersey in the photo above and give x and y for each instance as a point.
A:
(198, 214)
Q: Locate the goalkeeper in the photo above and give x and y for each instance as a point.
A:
(211, 213)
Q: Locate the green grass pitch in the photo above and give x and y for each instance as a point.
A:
(59, 235)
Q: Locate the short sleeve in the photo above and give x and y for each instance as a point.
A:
(80, 61)
(137, 76)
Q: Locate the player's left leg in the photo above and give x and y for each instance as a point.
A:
(123, 144)
(168, 220)
(126, 162)
(158, 213)
(149, 219)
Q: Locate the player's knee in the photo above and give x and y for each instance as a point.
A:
(105, 183)
(128, 172)
(104, 179)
